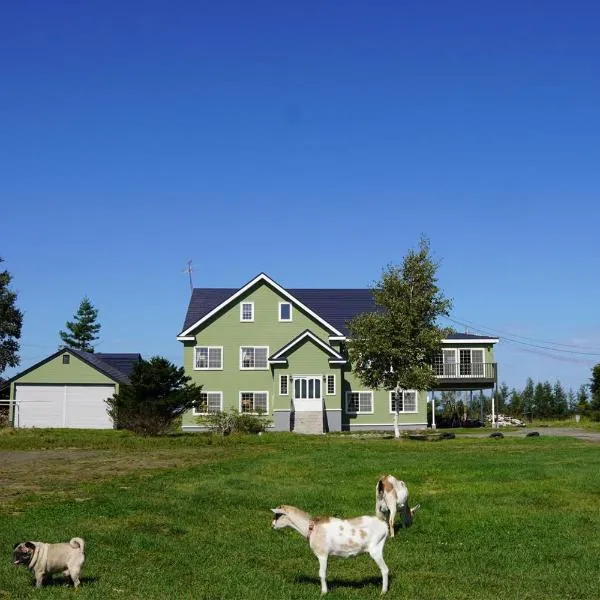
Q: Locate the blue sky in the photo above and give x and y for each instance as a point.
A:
(313, 142)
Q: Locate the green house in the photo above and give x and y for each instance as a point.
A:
(282, 351)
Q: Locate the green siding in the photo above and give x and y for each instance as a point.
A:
(76, 372)
(227, 331)
(54, 372)
(381, 406)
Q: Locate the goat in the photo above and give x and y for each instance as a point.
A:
(391, 494)
(329, 536)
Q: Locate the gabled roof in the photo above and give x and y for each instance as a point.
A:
(117, 367)
(205, 302)
(281, 355)
(332, 307)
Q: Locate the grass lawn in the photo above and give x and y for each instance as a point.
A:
(188, 516)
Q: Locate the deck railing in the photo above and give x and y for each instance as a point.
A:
(472, 370)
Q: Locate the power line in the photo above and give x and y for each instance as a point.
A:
(511, 338)
(466, 323)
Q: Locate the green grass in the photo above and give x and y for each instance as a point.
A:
(188, 516)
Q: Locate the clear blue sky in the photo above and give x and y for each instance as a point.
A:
(311, 141)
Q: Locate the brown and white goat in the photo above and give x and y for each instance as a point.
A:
(391, 494)
(329, 536)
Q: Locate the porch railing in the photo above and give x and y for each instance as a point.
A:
(472, 370)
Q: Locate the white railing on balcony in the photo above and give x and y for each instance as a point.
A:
(472, 370)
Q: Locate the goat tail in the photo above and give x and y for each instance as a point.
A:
(77, 542)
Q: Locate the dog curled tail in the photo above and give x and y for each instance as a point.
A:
(77, 542)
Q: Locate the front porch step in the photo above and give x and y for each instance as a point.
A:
(309, 422)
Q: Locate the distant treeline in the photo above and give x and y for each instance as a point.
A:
(541, 400)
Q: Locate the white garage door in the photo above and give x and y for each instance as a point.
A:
(63, 406)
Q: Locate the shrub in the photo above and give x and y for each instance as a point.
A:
(233, 421)
(154, 400)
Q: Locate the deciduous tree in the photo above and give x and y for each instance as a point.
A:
(393, 347)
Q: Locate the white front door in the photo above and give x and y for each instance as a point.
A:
(308, 392)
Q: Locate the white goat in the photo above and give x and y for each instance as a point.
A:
(391, 494)
(329, 536)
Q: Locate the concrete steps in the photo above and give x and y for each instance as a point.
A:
(309, 422)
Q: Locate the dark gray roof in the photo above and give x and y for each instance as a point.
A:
(468, 336)
(115, 366)
(204, 300)
(337, 306)
(123, 363)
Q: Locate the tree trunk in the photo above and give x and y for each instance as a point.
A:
(396, 414)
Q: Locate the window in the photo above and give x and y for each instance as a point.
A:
(252, 402)
(66, 359)
(444, 363)
(247, 311)
(210, 402)
(283, 385)
(307, 387)
(407, 401)
(208, 357)
(330, 385)
(471, 362)
(254, 357)
(285, 311)
(359, 402)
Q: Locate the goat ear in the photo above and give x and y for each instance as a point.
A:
(414, 509)
(278, 510)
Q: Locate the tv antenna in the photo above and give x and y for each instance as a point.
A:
(188, 269)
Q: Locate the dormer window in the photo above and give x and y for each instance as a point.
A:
(247, 312)
(285, 311)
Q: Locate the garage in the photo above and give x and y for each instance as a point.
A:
(63, 406)
(69, 389)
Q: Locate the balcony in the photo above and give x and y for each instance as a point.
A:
(465, 375)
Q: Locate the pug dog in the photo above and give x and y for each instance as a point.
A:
(44, 559)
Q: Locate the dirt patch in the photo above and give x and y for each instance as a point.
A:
(25, 475)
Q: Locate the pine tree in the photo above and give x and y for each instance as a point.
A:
(560, 404)
(527, 401)
(83, 330)
(595, 388)
(11, 321)
(157, 395)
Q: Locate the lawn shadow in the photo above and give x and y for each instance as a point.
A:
(62, 581)
(341, 583)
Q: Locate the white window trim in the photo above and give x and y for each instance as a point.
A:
(404, 412)
(251, 319)
(287, 383)
(291, 313)
(198, 413)
(327, 385)
(242, 368)
(207, 368)
(252, 392)
(360, 412)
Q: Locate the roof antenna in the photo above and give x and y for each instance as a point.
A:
(188, 269)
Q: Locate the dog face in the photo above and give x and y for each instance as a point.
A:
(23, 553)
